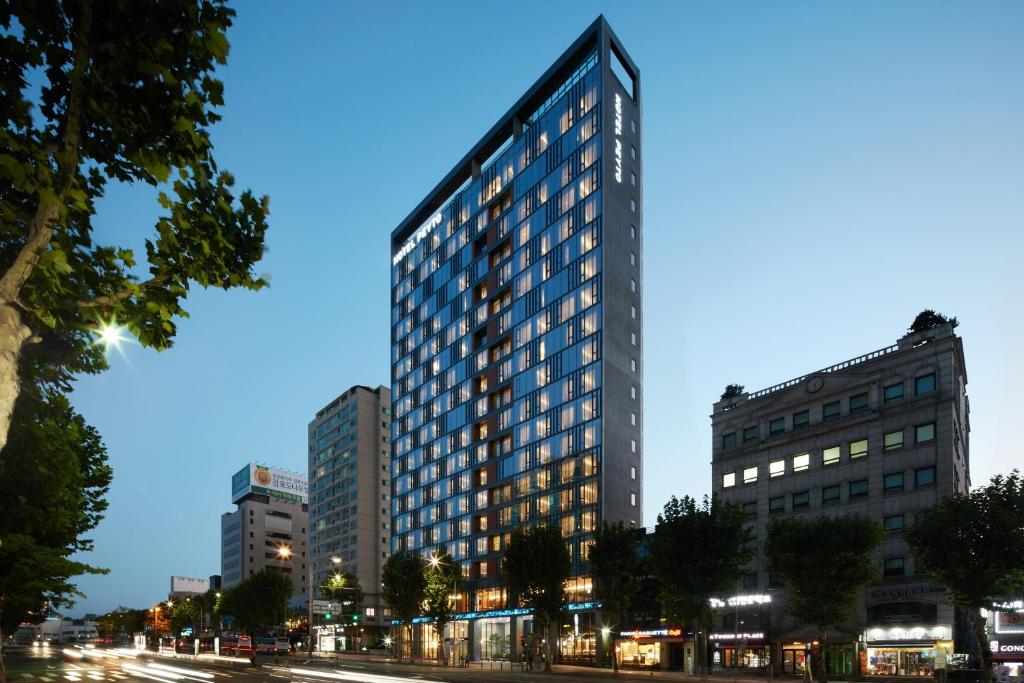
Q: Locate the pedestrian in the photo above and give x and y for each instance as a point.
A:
(529, 660)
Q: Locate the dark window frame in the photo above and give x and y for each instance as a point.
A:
(747, 434)
(805, 419)
(917, 384)
(902, 485)
(853, 495)
(826, 414)
(834, 500)
(729, 440)
(917, 474)
(771, 426)
(860, 407)
(891, 568)
(886, 398)
(804, 501)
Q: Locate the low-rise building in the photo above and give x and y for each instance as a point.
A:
(884, 435)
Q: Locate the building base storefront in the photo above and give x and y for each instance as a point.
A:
(913, 651)
(655, 649)
(740, 651)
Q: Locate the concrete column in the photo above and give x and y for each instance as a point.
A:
(473, 640)
(515, 629)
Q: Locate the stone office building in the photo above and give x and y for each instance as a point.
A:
(883, 435)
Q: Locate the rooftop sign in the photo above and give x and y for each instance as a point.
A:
(417, 237)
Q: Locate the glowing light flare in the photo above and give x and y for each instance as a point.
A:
(111, 335)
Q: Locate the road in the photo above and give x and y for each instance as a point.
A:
(77, 665)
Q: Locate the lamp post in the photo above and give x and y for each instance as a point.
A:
(285, 553)
(156, 627)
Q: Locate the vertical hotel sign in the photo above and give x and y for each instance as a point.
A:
(618, 138)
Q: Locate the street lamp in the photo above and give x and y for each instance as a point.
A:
(156, 625)
(285, 553)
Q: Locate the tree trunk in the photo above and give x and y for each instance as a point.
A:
(984, 649)
(822, 634)
(616, 629)
(547, 648)
(13, 334)
(698, 663)
(3, 671)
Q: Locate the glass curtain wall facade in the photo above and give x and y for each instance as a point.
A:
(516, 336)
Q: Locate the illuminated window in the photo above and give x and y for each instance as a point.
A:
(750, 475)
(632, 499)
(801, 462)
(776, 468)
(728, 479)
(858, 449)
(923, 433)
(632, 473)
(893, 440)
(830, 456)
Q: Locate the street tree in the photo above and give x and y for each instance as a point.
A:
(403, 587)
(344, 588)
(259, 602)
(698, 551)
(972, 543)
(536, 565)
(615, 567)
(121, 623)
(101, 93)
(442, 575)
(53, 481)
(802, 552)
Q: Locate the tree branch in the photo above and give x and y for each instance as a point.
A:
(49, 199)
(123, 295)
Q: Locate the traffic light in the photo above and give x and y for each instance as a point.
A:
(355, 618)
(327, 616)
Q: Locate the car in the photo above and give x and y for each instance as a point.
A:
(283, 646)
(265, 646)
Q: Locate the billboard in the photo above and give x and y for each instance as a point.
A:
(184, 585)
(269, 481)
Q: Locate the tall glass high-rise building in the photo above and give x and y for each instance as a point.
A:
(517, 351)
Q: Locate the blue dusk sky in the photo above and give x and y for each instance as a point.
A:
(814, 173)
